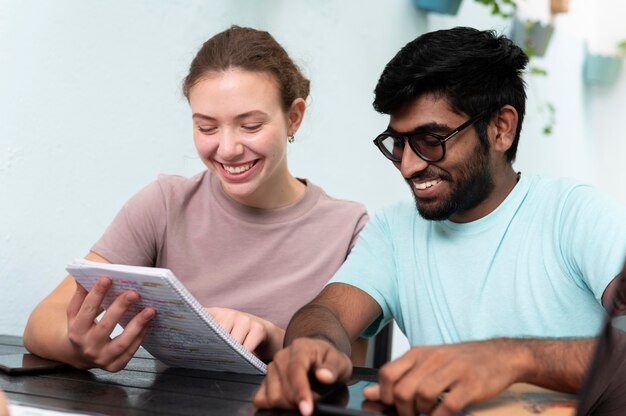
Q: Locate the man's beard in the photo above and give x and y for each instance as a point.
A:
(473, 185)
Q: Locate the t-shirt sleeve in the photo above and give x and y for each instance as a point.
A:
(370, 266)
(593, 237)
(136, 233)
(363, 219)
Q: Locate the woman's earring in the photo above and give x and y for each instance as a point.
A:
(291, 139)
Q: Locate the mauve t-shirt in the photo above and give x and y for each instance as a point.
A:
(267, 262)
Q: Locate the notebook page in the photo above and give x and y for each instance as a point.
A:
(181, 334)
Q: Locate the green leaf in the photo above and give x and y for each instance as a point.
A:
(533, 70)
(530, 52)
(621, 46)
(497, 7)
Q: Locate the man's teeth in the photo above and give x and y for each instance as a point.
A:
(235, 170)
(427, 184)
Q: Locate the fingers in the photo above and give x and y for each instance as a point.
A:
(247, 329)
(292, 366)
(390, 373)
(334, 366)
(287, 382)
(417, 390)
(130, 339)
(126, 353)
(114, 314)
(84, 322)
(270, 394)
(416, 382)
(76, 302)
(372, 393)
(452, 403)
(225, 317)
(91, 305)
(240, 328)
(255, 336)
(301, 391)
(91, 339)
(441, 380)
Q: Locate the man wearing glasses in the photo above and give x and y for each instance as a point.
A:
(497, 277)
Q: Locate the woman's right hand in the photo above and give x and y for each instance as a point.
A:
(91, 339)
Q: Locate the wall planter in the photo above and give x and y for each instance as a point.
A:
(559, 6)
(439, 6)
(601, 69)
(532, 36)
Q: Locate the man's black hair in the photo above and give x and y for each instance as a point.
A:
(474, 70)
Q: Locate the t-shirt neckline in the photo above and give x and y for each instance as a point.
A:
(246, 213)
(510, 203)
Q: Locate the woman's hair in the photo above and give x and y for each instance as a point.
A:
(476, 71)
(251, 50)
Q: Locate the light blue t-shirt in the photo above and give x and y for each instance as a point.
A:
(537, 266)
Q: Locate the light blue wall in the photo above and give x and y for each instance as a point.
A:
(91, 111)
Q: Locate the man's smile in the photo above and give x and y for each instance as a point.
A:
(421, 185)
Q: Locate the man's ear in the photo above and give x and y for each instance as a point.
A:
(295, 115)
(503, 127)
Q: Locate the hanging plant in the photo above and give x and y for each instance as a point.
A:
(502, 8)
(533, 37)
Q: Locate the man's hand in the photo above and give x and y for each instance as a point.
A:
(287, 382)
(254, 333)
(442, 380)
(91, 339)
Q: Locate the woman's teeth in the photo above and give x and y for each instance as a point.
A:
(236, 170)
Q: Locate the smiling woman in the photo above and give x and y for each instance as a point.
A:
(240, 133)
(250, 241)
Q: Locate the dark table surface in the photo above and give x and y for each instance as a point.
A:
(144, 387)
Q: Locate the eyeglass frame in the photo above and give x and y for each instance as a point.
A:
(407, 137)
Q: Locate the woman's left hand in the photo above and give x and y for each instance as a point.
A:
(256, 334)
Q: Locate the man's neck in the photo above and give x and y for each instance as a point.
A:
(504, 182)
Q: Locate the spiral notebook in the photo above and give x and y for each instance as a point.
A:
(182, 334)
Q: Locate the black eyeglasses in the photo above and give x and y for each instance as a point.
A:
(431, 147)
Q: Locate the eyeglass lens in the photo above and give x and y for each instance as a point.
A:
(425, 145)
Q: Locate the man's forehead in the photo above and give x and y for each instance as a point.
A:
(428, 109)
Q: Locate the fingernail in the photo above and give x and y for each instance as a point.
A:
(305, 408)
(326, 373)
(104, 281)
(148, 313)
